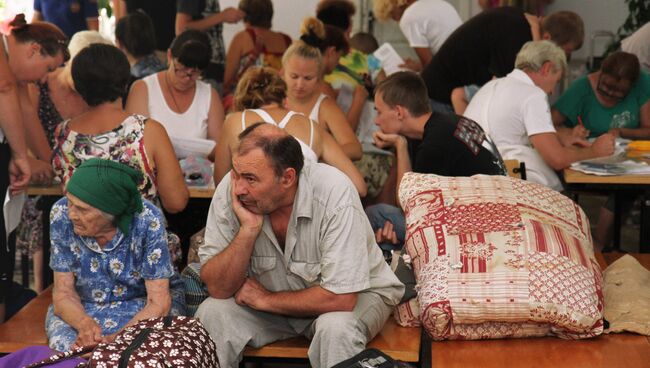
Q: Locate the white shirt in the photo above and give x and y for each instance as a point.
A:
(193, 123)
(428, 23)
(510, 110)
(638, 43)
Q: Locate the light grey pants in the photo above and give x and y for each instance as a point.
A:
(335, 336)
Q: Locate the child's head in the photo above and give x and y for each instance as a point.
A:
(364, 42)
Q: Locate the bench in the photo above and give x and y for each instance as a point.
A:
(615, 350)
(27, 328)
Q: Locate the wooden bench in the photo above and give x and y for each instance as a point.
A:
(615, 350)
(27, 328)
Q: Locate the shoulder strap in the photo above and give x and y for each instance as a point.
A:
(265, 116)
(243, 120)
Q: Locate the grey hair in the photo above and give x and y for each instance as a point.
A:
(107, 216)
(83, 39)
(534, 54)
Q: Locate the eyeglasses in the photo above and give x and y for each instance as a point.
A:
(184, 71)
(609, 91)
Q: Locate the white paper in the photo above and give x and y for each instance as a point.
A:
(192, 147)
(389, 58)
(12, 209)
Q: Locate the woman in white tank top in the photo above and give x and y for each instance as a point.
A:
(302, 65)
(259, 97)
(184, 105)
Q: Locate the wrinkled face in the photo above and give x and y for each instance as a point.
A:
(301, 76)
(86, 219)
(31, 65)
(387, 118)
(255, 183)
(610, 90)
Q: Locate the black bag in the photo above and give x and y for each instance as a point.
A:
(370, 358)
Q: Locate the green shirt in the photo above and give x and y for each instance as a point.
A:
(580, 100)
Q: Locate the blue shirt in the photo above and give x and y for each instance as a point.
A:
(69, 15)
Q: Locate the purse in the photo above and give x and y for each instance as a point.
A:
(171, 341)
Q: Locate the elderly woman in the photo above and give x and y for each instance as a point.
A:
(109, 256)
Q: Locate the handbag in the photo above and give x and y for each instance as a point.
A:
(371, 358)
(171, 341)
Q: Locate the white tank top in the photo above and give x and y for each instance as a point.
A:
(193, 123)
(313, 115)
(307, 151)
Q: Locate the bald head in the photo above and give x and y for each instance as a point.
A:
(282, 150)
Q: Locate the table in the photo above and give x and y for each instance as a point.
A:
(577, 180)
(53, 192)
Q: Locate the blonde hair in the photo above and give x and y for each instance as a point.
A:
(257, 87)
(383, 8)
(534, 54)
(83, 39)
(312, 35)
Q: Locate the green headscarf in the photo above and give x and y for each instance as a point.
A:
(109, 186)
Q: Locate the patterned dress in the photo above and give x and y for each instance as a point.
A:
(110, 281)
(124, 144)
(29, 235)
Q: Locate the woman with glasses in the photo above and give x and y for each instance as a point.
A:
(614, 99)
(186, 106)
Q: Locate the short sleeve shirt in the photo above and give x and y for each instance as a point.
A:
(428, 23)
(199, 9)
(329, 241)
(69, 15)
(579, 100)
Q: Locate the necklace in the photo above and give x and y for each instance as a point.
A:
(171, 92)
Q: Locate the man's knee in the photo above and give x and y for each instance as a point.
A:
(216, 312)
(340, 326)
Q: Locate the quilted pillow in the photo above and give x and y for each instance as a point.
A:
(499, 257)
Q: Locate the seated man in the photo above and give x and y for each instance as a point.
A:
(451, 145)
(284, 256)
(514, 112)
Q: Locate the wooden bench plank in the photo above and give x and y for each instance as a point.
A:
(27, 327)
(402, 343)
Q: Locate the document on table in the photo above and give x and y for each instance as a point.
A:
(192, 147)
(389, 58)
(12, 209)
(616, 164)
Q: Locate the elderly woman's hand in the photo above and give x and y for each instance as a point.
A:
(89, 333)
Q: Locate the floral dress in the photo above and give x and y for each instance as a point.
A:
(110, 281)
(124, 144)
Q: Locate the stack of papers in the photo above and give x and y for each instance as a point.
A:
(197, 147)
(389, 59)
(613, 165)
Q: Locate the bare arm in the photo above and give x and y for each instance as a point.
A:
(309, 302)
(225, 272)
(35, 134)
(37, 17)
(643, 131)
(158, 303)
(560, 157)
(171, 185)
(138, 100)
(334, 155)
(92, 23)
(222, 154)
(569, 136)
(356, 108)
(119, 9)
(233, 58)
(336, 123)
(67, 305)
(383, 140)
(229, 15)
(215, 116)
(424, 54)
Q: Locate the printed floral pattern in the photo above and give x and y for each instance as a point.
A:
(110, 281)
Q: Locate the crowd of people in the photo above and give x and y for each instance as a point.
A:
(311, 139)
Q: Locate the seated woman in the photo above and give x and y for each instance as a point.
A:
(135, 36)
(259, 97)
(184, 105)
(304, 65)
(256, 45)
(614, 99)
(100, 74)
(109, 256)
